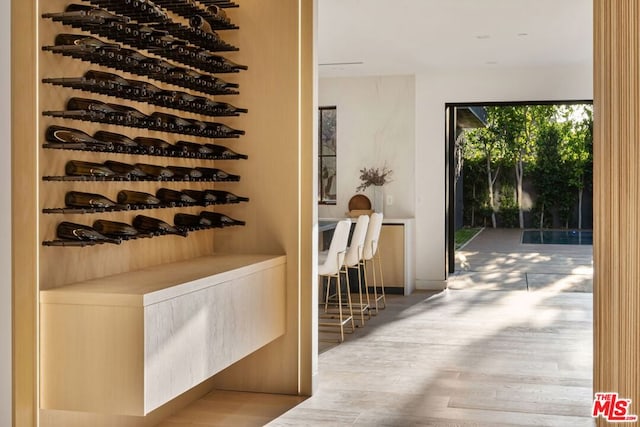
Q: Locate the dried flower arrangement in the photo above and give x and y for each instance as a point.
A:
(374, 176)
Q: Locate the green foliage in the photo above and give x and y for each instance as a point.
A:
(508, 206)
(551, 144)
(465, 234)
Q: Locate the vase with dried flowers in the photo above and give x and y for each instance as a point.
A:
(376, 178)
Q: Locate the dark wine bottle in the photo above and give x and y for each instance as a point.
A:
(65, 135)
(80, 168)
(220, 220)
(155, 171)
(83, 41)
(200, 23)
(201, 196)
(193, 147)
(224, 153)
(130, 115)
(137, 198)
(172, 196)
(77, 199)
(218, 14)
(170, 122)
(76, 13)
(125, 143)
(214, 174)
(114, 229)
(84, 104)
(225, 197)
(186, 173)
(154, 145)
(79, 232)
(221, 63)
(148, 224)
(124, 169)
(191, 221)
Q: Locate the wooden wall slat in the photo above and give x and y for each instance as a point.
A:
(617, 199)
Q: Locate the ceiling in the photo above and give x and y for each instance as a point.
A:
(383, 37)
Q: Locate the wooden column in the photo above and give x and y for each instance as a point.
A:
(617, 199)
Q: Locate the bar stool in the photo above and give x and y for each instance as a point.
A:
(353, 260)
(330, 266)
(371, 256)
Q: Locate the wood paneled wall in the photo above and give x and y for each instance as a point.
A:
(617, 199)
(276, 41)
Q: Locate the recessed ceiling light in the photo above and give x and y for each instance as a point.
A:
(523, 34)
(483, 36)
(491, 62)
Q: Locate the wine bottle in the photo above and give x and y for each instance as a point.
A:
(214, 174)
(65, 135)
(222, 108)
(220, 130)
(83, 41)
(80, 168)
(130, 115)
(129, 197)
(124, 169)
(172, 196)
(224, 153)
(71, 231)
(170, 122)
(84, 104)
(216, 14)
(201, 197)
(77, 199)
(193, 147)
(154, 145)
(146, 90)
(201, 24)
(187, 173)
(76, 13)
(220, 220)
(114, 229)
(123, 142)
(191, 221)
(220, 63)
(225, 197)
(156, 226)
(155, 171)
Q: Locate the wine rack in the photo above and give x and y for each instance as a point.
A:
(162, 122)
(135, 63)
(180, 230)
(150, 94)
(176, 52)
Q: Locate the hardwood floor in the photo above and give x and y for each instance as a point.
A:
(456, 358)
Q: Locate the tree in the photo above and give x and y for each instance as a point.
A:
(520, 125)
(578, 151)
(486, 143)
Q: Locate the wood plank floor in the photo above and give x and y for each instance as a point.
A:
(456, 358)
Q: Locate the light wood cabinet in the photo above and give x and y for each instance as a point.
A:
(392, 256)
(128, 344)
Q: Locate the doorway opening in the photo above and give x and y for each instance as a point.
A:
(513, 167)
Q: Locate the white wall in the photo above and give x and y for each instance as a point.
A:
(5, 213)
(433, 90)
(375, 125)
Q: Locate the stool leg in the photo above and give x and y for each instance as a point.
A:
(383, 297)
(360, 295)
(353, 324)
(375, 283)
(326, 296)
(340, 307)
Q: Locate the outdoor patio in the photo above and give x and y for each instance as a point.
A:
(496, 260)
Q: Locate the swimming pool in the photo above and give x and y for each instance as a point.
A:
(558, 237)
